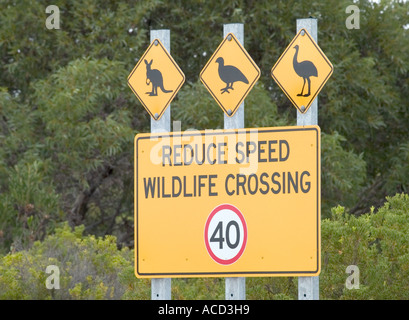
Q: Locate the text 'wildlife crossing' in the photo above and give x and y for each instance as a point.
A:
(249, 167)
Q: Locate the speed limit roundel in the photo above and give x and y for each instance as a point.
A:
(225, 234)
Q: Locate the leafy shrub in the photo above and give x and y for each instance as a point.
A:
(343, 173)
(93, 268)
(378, 243)
(90, 268)
(29, 207)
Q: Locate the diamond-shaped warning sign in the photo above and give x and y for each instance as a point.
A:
(302, 70)
(156, 79)
(230, 74)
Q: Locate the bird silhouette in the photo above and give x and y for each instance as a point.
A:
(304, 69)
(229, 75)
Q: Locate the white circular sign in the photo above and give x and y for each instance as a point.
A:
(225, 234)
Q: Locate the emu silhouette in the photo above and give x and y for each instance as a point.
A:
(154, 76)
(305, 70)
(229, 75)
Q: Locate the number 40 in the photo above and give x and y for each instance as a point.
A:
(217, 235)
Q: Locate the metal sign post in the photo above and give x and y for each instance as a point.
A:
(308, 287)
(161, 288)
(235, 288)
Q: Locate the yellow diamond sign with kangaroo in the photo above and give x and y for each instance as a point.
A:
(302, 70)
(156, 79)
(230, 74)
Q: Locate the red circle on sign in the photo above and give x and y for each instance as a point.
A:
(206, 234)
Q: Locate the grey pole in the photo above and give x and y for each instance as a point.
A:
(308, 287)
(161, 288)
(237, 120)
(235, 288)
(163, 124)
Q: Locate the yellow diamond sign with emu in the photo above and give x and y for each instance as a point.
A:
(230, 74)
(302, 70)
(156, 79)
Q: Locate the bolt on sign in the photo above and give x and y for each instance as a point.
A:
(302, 70)
(156, 79)
(237, 202)
(230, 74)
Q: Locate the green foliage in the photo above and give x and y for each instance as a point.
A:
(29, 207)
(90, 268)
(83, 130)
(198, 289)
(93, 268)
(65, 104)
(364, 99)
(399, 170)
(342, 172)
(68, 118)
(30, 51)
(375, 242)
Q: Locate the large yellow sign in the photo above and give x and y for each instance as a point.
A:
(302, 70)
(230, 74)
(240, 202)
(156, 79)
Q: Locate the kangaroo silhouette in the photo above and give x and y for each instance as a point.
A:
(154, 76)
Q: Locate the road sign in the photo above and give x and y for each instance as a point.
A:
(302, 70)
(225, 234)
(237, 202)
(230, 74)
(156, 79)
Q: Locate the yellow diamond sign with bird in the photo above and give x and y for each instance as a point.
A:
(302, 70)
(156, 79)
(230, 74)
